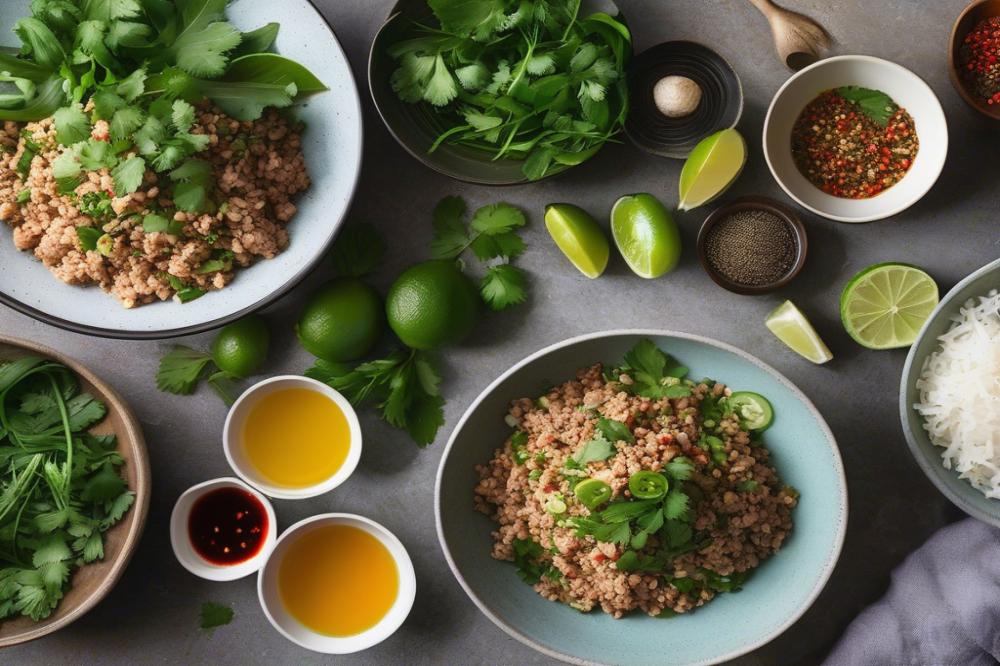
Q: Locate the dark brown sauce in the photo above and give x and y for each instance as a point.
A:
(227, 526)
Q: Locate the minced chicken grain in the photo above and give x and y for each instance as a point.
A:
(740, 511)
(257, 168)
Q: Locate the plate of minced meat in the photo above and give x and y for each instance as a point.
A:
(618, 497)
(168, 166)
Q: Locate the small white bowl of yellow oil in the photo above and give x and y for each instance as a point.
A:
(337, 583)
(292, 437)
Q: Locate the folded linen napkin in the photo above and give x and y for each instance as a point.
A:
(942, 607)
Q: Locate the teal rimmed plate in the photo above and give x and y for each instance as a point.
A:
(959, 491)
(804, 453)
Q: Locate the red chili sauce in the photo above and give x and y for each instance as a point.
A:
(227, 526)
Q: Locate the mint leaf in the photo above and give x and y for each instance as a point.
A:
(874, 103)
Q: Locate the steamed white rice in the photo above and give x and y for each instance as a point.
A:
(960, 394)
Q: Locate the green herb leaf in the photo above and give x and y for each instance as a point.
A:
(450, 236)
(614, 431)
(88, 238)
(873, 103)
(503, 286)
(154, 223)
(180, 370)
(128, 175)
(498, 218)
(214, 615)
(72, 125)
(597, 449)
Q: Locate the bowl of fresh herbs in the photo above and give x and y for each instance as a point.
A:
(501, 91)
(74, 490)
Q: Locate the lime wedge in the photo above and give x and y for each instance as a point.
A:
(579, 237)
(646, 235)
(713, 165)
(885, 305)
(791, 326)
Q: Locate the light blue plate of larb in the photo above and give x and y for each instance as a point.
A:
(613, 493)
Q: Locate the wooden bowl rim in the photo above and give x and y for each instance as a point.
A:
(953, 44)
(138, 459)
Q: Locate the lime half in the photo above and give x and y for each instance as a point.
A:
(579, 237)
(714, 164)
(791, 326)
(885, 305)
(646, 235)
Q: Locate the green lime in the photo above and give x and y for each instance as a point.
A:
(646, 235)
(579, 237)
(793, 328)
(432, 304)
(241, 347)
(342, 321)
(885, 305)
(714, 164)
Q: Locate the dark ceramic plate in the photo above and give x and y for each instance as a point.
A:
(415, 127)
(721, 101)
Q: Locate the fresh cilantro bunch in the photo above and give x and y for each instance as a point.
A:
(491, 235)
(653, 373)
(527, 80)
(60, 486)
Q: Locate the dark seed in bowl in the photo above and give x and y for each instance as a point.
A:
(751, 247)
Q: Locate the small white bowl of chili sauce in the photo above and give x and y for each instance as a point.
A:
(222, 529)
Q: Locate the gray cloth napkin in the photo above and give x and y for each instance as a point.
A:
(942, 607)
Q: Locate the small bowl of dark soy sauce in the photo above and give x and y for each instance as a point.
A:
(753, 245)
(222, 529)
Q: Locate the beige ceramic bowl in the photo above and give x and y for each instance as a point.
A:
(92, 582)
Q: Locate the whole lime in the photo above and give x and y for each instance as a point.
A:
(240, 348)
(342, 321)
(432, 304)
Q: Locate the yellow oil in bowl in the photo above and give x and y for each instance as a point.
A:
(338, 580)
(296, 437)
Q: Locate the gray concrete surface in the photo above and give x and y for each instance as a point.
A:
(152, 616)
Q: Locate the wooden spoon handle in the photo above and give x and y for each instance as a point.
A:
(766, 7)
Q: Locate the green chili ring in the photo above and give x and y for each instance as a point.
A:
(648, 485)
(592, 492)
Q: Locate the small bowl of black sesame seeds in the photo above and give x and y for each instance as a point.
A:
(753, 245)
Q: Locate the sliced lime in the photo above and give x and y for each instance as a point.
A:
(885, 305)
(646, 235)
(579, 237)
(714, 164)
(791, 326)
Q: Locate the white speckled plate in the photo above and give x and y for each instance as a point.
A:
(332, 146)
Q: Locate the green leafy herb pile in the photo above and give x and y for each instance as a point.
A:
(519, 79)
(142, 64)
(404, 384)
(213, 616)
(60, 488)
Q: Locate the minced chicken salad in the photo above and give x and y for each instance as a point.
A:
(141, 148)
(635, 488)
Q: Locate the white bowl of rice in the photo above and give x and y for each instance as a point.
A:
(950, 395)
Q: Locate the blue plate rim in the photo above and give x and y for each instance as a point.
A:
(926, 466)
(274, 296)
(663, 333)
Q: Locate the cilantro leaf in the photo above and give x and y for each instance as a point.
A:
(614, 431)
(181, 369)
(679, 469)
(358, 250)
(654, 373)
(72, 125)
(128, 175)
(498, 218)
(503, 286)
(203, 42)
(214, 615)
(450, 237)
(594, 450)
(88, 237)
(675, 506)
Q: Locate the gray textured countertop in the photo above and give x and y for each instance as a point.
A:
(152, 615)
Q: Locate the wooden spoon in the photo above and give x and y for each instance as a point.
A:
(798, 39)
